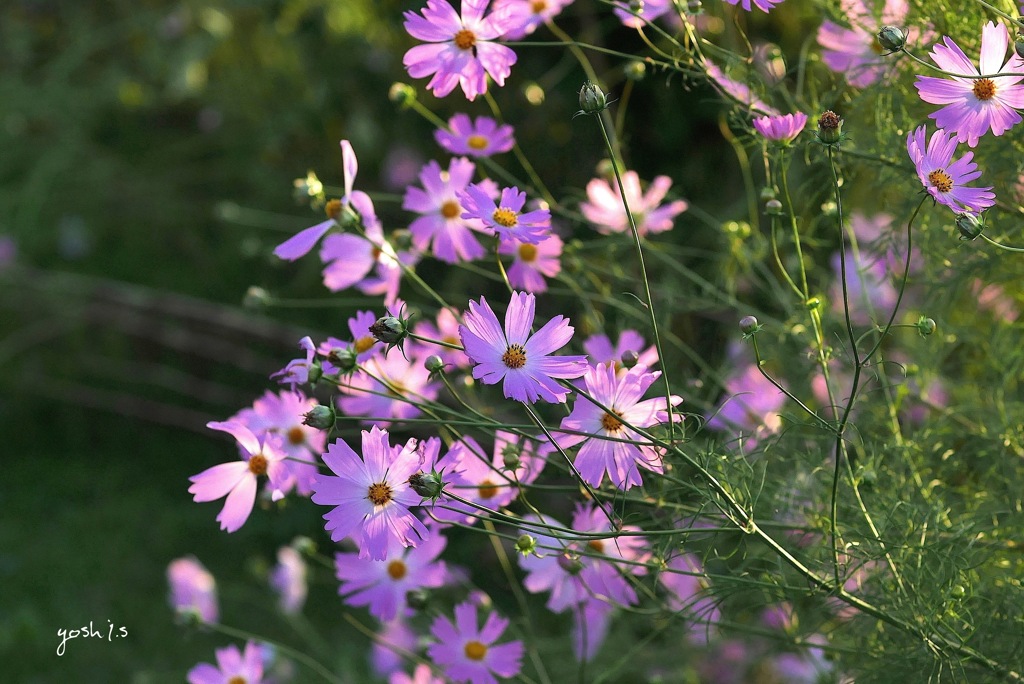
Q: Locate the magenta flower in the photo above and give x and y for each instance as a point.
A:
(237, 480)
(460, 50)
(370, 495)
(371, 264)
(523, 361)
(193, 588)
(232, 666)
(638, 16)
(387, 388)
(468, 653)
(975, 106)
(288, 579)
(782, 129)
(299, 244)
(604, 208)
(441, 222)
(943, 178)
(527, 15)
(383, 584)
(855, 52)
(533, 262)
(482, 137)
(763, 5)
(504, 217)
(600, 350)
(622, 395)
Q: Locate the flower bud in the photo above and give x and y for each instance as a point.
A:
(571, 564)
(344, 359)
(526, 545)
(629, 358)
(812, 304)
(255, 298)
(418, 599)
(891, 38)
(389, 330)
(925, 326)
(402, 94)
(592, 99)
(510, 456)
(320, 417)
(773, 207)
(830, 128)
(969, 225)
(635, 70)
(308, 188)
(427, 485)
(694, 7)
(749, 325)
(1018, 45)
(767, 193)
(434, 363)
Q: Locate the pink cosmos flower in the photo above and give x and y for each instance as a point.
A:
(468, 653)
(460, 49)
(943, 178)
(364, 344)
(192, 588)
(750, 406)
(441, 222)
(232, 666)
(763, 5)
(639, 16)
(237, 480)
(371, 264)
(481, 137)
(619, 459)
(781, 129)
(975, 106)
(288, 579)
(590, 623)
(533, 262)
(297, 371)
(386, 388)
(421, 675)
(604, 208)
(527, 15)
(446, 330)
(282, 414)
(370, 495)
(600, 350)
(504, 217)
(299, 244)
(383, 584)
(855, 52)
(394, 638)
(684, 579)
(738, 91)
(522, 360)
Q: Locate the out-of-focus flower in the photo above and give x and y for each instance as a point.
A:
(855, 52)
(600, 350)
(288, 579)
(468, 653)
(533, 262)
(871, 294)
(687, 586)
(751, 406)
(763, 5)
(738, 91)
(386, 389)
(637, 15)
(192, 588)
(481, 137)
(232, 666)
(527, 15)
(604, 208)
(781, 129)
(440, 224)
(421, 675)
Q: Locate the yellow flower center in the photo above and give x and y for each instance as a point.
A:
(527, 252)
(379, 493)
(487, 489)
(258, 464)
(538, 6)
(451, 209)
(596, 545)
(984, 88)
(940, 180)
(396, 570)
(477, 142)
(296, 435)
(611, 422)
(514, 357)
(451, 339)
(333, 209)
(505, 217)
(465, 39)
(475, 650)
(364, 343)
(238, 679)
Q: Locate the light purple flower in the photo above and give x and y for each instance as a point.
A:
(386, 388)
(299, 244)
(364, 344)
(685, 580)
(288, 579)
(441, 223)
(192, 588)
(382, 585)
(297, 371)
(395, 638)
(446, 330)
(237, 480)
(975, 106)
(855, 52)
(870, 290)
(232, 666)
(750, 407)
(481, 137)
(527, 15)
(421, 675)
(513, 355)
(639, 16)
(604, 208)
(370, 495)
(590, 623)
(763, 5)
(371, 264)
(619, 459)
(460, 49)
(943, 178)
(738, 91)
(468, 653)
(505, 216)
(600, 350)
(532, 263)
(782, 129)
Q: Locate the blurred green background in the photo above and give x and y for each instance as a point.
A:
(147, 153)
